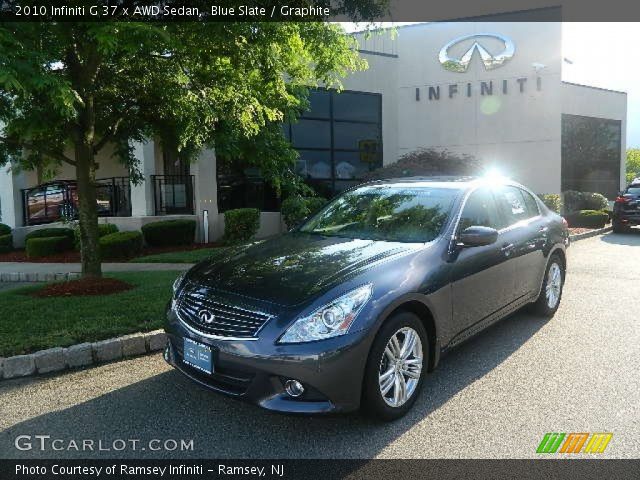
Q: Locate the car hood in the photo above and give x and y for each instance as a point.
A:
(294, 267)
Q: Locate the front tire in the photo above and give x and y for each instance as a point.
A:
(548, 301)
(396, 367)
(618, 227)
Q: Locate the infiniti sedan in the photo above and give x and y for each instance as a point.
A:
(355, 306)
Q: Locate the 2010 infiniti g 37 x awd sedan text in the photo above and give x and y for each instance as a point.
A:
(355, 306)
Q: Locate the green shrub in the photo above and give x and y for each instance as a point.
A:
(553, 201)
(4, 229)
(6, 243)
(296, 208)
(170, 232)
(51, 232)
(103, 229)
(241, 225)
(587, 219)
(574, 201)
(594, 201)
(121, 245)
(45, 246)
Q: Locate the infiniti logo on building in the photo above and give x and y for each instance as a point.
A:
(206, 316)
(490, 61)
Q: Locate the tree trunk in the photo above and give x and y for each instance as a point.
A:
(88, 211)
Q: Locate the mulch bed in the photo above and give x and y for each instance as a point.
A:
(83, 287)
(73, 256)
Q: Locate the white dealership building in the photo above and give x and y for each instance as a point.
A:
(491, 89)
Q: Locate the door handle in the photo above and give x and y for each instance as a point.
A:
(507, 248)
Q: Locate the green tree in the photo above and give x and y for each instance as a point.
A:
(69, 89)
(633, 164)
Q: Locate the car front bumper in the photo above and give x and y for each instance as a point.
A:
(256, 370)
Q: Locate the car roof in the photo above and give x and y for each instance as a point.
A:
(455, 181)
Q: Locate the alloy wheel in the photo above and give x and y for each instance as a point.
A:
(554, 285)
(400, 367)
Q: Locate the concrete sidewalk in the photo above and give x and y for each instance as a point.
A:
(46, 272)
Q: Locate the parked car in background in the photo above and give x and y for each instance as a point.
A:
(356, 305)
(58, 200)
(626, 208)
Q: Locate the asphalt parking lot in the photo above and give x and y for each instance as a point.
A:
(494, 397)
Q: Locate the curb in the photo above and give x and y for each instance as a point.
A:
(38, 277)
(82, 355)
(592, 233)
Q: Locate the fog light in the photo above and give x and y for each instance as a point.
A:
(294, 388)
(167, 353)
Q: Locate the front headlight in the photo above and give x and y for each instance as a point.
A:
(330, 320)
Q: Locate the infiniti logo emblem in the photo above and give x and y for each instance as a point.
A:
(490, 61)
(206, 316)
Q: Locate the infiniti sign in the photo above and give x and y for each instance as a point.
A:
(490, 61)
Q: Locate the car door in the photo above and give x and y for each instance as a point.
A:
(482, 277)
(525, 235)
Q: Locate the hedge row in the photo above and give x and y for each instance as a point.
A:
(44, 246)
(121, 245)
(51, 232)
(6, 243)
(170, 232)
(241, 224)
(4, 229)
(103, 229)
(587, 219)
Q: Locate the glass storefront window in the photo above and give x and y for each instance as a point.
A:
(339, 139)
(591, 154)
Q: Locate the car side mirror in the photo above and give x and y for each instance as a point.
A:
(477, 236)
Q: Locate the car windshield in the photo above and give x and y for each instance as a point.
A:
(386, 212)
(634, 190)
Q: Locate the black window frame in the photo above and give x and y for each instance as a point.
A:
(333, 181)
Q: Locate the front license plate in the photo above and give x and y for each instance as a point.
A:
(197, 356)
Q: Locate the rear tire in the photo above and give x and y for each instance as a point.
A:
(548, 301)
(620, 228)
(400, 372)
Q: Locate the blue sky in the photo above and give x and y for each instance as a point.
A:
(602, 55)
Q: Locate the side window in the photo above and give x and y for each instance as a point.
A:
(532, 205)
(513, 203)
(480, 210)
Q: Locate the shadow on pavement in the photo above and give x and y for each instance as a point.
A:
(168, 406)
(631, 238)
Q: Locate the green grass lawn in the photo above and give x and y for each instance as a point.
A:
(28, 324)
(189, 256)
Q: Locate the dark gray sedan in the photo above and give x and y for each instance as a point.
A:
(357, 304)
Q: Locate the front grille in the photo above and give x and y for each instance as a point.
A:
(203, 312)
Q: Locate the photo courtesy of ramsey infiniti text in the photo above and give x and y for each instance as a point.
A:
(355, 306)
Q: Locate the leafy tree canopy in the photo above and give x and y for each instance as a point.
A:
(633, 164)
(77, 87)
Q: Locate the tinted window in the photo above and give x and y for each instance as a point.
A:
(348, 135)
(339, 139)
(480, 211)
(356, 106)
(382, 212)
(311, 134)
(513, 205)
(633, 190)
(532, 205)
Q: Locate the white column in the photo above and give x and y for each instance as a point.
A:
(142, 195)
(206, 193)
(11, 184)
